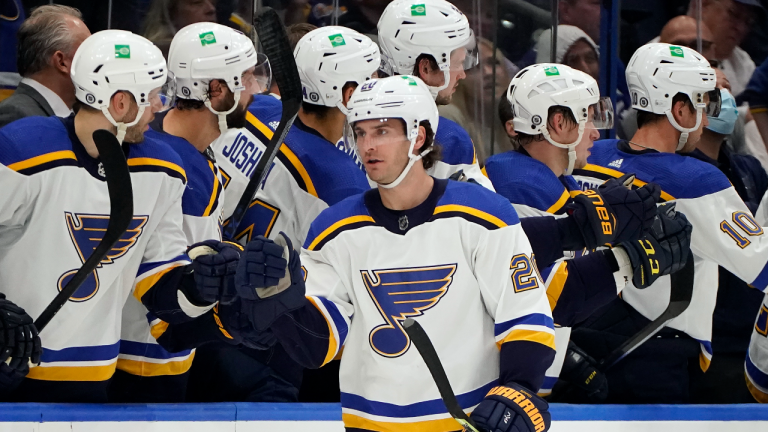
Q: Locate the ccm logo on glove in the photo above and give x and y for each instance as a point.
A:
(523, 401)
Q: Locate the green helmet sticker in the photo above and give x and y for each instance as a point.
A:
(123, 51)
(676, 51)
(419, 10)
(337, 40)
(207, 38)
(411, 81)
(551, 71)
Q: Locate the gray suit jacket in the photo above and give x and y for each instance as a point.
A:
(24, 102)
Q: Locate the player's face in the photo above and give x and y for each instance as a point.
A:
(383, 147)
(135, 133)
(583, 149)
(456, 74)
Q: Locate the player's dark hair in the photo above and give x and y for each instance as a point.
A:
(321, 111)
(297, 31)
(432, 64)
(645, 118)
(523, 139)
(436, 154)
(193, 104)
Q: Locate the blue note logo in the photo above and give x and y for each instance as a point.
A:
(86, 231)
(402, 293)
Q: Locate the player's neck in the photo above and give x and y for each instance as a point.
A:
(661, 136)
(331, 126)
(86, 123)
(710, 144)
(412, 191)
(200, 127)
(555, 158)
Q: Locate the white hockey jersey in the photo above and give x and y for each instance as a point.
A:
(458, 153)
(201, 205)
(459, 264)
(54, 209)
(756, 364)
(724, 231)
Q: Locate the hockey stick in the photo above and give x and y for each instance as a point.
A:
(427, 350)
(274, 40)
(680, 294)
(120, 216)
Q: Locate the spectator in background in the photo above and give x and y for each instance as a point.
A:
(11, 17)
(575, 48)
(47, 42)
(756, 95)
(681, 31)
(584, 14)
(166, 17)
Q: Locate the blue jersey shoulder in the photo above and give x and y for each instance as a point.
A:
(32, 144)
(349, 213)
(203, 186)
(524, 180)
(476, 204)
(155, 154)
(266, 108)
(679, 176)
(455, 144)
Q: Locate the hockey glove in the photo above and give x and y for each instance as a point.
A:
(214, 264)
(512, 408)
(664, 249)
(635, 209)
(264, 284)
(236, 328)
(580, 370)
(19, 345)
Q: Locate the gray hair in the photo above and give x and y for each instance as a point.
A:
(158, 25)
(41, 35)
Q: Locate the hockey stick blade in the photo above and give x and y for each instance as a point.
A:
(680, 295)
(275, 43)
(120, 216)
(429, 355)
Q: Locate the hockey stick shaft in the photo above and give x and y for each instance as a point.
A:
(681, 292)
(275, 43)
(120, 215)
(429, 355)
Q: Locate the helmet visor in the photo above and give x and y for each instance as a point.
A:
(258, 79)
(163, 98)
(713, 102)
(601, 114)
(473, 52)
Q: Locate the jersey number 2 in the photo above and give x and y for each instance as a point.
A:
(746, 223)
(523, 277)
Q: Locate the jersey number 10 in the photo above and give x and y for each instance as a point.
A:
(746, 223)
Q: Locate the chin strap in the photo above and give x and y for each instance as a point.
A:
(570, 147)
(684, 132)
(122, 127)
(446, 80)
(222, 115)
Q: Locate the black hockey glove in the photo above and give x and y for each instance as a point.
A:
(664, 249)
(634, 209)
(214, 264)
(580, 370)
(461, 177)
(262, 281)
(19, 344)
(512, 408)
(236, 328)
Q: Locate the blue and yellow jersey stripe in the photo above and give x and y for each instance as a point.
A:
(757, 380)
(538, 328)
(338, 327)
(148, 164)
(45, 162)
(144, 359)
(472, 214)
(93, 363)
(150, 273)
(352, 222)
(604, 173)
(554, 278)
(558, 206)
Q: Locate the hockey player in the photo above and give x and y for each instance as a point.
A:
(420, 247)
(556, 113)
(51, 169)
(431, 39)
(673, 90)
(214, 69)
(19, 345)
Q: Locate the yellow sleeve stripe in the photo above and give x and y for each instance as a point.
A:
(543, 338)
(352, 421)
(157, 162)
(208, 209)
(149, 369)
(338, 225)
(148, 282)
(704, 362)
(616, 174)
(333, 344)
(158, 329)
(297, 165)
(485, 173)
(39, 160)
(556, 284)
(758, 394)
(472, 211)
(560, 202)
(72, 373)
(474, 154)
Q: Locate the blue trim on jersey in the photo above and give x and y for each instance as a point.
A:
(149, 350)
(479, 198)
(455, 143)
(680, 176)
(350, 207)
(707, 346)
(266, 108)
(92, 353)
(430, 407)
(30, 137)
(758, 377)
(338, 320)
(761, 281)
(549, 382)
(531, 319)
(524, 180)
(147, 267)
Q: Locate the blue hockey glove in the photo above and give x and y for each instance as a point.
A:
(236, 328)
(263, 283)
(214, 264)
(512, 408)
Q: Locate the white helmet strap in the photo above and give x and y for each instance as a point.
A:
(122, 127)
(412, 158)
(571, 147)
(446, 80)
(341, 107)
(222, 115)
(684, 132)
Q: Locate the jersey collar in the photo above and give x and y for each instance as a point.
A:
(402, 221)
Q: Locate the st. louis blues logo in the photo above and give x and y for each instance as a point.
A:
(86, 231)
(402, 293)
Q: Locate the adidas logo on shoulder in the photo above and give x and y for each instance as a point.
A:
(274, 124)
(617, 163)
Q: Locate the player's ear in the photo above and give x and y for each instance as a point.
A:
(420, 140)
(346, 93)
(215, 88)
(119, 104)
(510, 128)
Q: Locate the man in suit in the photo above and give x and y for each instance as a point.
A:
(47, 41)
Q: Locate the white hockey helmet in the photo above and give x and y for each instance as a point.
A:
(540, 86)
(410, 28)
(400, 97)
(116, 60)
(328, 58)
(657, 72)
(205, 51)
